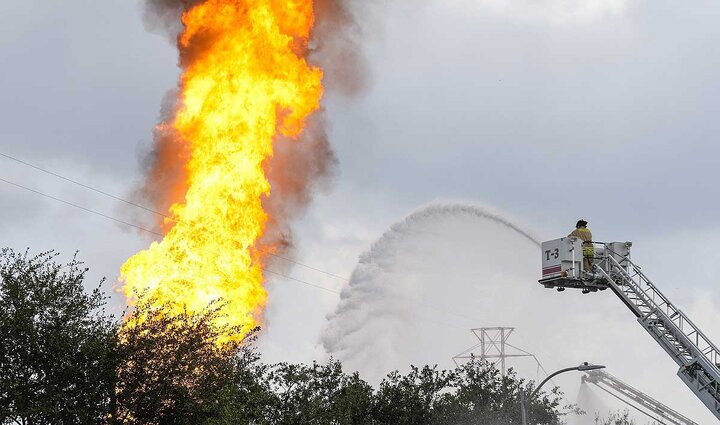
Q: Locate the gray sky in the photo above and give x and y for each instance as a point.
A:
(548, 110)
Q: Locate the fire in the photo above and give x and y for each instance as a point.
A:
(245, 82)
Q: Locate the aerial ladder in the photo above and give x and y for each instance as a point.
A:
(659, 412)
(697, 357)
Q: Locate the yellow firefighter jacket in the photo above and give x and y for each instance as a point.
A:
(585, 235)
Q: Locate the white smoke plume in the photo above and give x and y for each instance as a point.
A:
(449, 267)
(557, 11)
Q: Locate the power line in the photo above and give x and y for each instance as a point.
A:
(309, 267)
(302, 281)
(118, 198)
(159, 234)
(117, 220)
(102, 192)
(541, 368)
(80, 207)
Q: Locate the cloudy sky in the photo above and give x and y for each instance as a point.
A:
(547, 110)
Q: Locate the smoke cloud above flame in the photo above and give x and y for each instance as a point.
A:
(298, 167)
(557, 11)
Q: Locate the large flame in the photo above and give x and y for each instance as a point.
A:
(245, 82)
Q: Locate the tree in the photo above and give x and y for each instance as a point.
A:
(475, 393)
(248, 398)
(321, 394)
(56, 343)
(412, 398)
(181, 368)
(483, 395)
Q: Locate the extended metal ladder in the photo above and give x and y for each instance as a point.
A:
(697, 356)
(624, 392)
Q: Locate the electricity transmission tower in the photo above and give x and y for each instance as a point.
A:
(494, 348)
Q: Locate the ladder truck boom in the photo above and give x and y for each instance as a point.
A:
(696, 355)
(615, 387)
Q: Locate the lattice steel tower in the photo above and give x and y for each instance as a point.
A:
(493, 347)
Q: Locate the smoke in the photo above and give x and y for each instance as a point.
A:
(556, 11)
(299, 168)
(337, 46)
(163, 16)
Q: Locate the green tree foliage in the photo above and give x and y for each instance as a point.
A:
(247, 399)
(173, 370)
(483, 395)
(63, 361)
(412, 398)
(322, 394)
(56, 343)
(475, 393)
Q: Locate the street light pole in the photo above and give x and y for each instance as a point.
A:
(583, 368)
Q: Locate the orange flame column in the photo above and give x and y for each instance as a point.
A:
(245, 80)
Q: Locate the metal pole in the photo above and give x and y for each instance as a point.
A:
(574, 267)
(582, 367)
(534, 393)
(502, 350)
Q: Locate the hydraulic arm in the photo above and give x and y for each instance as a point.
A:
(697, 357)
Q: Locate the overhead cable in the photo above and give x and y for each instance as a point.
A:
(134, 204)
(102, 192)
(117, 220)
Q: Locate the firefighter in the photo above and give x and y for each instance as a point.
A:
(583, 233)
